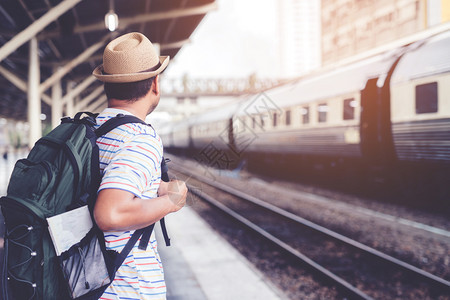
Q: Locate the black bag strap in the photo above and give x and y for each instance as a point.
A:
(118, 120)
(79, 114)
(130, 244)
(165, 178)
(147, 233)
(162, 222)
(146, 236)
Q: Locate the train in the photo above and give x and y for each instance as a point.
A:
(386, 116)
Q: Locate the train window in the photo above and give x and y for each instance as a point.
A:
(253, 122)
(275, 120)
(322, 112)
(288, 117)
(427, 98)
(349, 109)
(305, 114)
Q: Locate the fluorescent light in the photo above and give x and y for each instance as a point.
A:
(111, 21)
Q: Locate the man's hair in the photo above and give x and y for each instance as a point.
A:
(129, 91)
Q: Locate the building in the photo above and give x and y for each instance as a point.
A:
(299, 36)
(350, 27)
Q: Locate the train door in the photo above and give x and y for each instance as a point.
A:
(385, 140)
(369, 126)
(189, 137)
(231, 141)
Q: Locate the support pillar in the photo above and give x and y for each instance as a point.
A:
(70, 107)
(57, 108)
(34, 97)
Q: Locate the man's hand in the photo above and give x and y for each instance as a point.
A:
(176, 190)
(162, 190)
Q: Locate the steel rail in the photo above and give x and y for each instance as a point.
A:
(383, 256)
(347, 288)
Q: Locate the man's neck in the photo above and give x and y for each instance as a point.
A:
(133, 108)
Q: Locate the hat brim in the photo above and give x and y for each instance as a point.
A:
(130, 77)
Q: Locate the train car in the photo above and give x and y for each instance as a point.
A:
(420, 103)
(165, 131)
(179, 137)
(199, 131)
(322, 115)
(328, 115)
(213, 127)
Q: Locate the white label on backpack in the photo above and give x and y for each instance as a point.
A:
(69, 228)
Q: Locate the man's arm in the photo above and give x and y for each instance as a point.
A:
(121, 210)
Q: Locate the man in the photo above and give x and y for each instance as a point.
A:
(131, 194)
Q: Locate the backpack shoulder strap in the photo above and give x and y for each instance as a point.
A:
(130, 244)
(118, 120)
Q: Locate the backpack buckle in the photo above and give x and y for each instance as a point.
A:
(66, 120)
(90, 120)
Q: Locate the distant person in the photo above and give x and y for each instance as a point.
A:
(5, 154)
(131, 194)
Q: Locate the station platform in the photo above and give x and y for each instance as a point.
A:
(200, 264)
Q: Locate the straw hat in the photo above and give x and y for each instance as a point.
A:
(129, 58)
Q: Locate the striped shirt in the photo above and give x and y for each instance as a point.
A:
(130, 160)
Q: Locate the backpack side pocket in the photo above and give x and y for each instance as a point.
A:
(85, 266)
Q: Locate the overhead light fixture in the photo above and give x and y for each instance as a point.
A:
(111, 21)
(111, 18)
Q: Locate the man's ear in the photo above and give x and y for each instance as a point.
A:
(155, 85)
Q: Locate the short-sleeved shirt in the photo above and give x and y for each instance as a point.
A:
(130, 160)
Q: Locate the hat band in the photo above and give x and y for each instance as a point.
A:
(154, 68)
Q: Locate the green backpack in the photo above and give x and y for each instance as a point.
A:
(61, 173)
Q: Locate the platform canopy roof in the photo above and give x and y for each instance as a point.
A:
(71, 36)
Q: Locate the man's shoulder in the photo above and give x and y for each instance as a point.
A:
(147, 137)
(130, 130)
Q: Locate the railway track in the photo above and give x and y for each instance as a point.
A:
(357, 270)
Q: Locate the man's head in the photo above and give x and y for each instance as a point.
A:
(130, 68)
(130, 58)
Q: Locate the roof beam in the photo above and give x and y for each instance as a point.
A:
(97, 103)
(174, 45)
(142, 18)
(146, 9)
(22, 85)
(78, 89)
(99, 57)
(35, 27)
(33, 19)
(19, 83)
(82, 104)
(102, 106)
(72, 64)
(172, 24)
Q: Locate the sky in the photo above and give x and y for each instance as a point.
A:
(236, 40)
